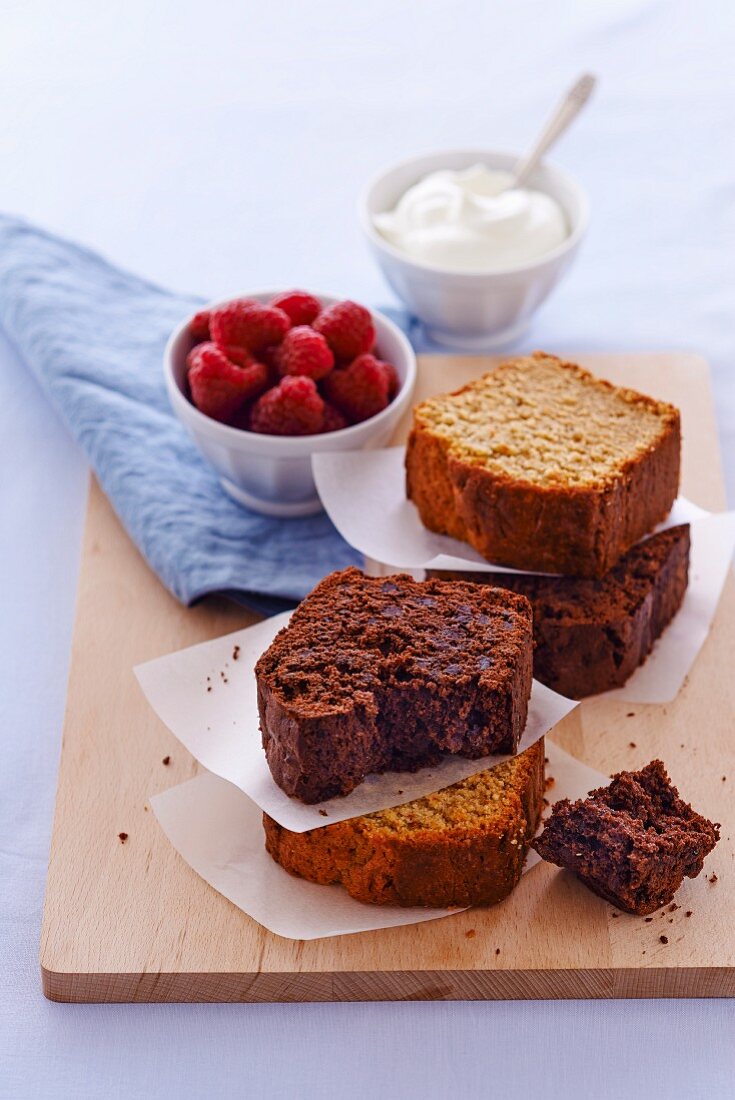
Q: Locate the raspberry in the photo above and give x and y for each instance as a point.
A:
(394, 382)
(301, 307)
(360, 390)
(218, 387)
(304, 351)
(293, 407)
(247, 324)
(333, 419)
(199, 325)
(347, 328)
(239, 356)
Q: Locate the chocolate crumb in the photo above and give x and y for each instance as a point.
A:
(123, 837)
(688, 913)
(324, 813)
(663, 939)
(497, 950)
(166, 760)
(630, 714)
(648, 920)
(712, 878)
(724, 779)
(209, 688)
(470, 933)
(632, 744)
(673, 907)
(236, 653)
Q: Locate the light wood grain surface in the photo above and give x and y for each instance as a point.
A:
(131, 922)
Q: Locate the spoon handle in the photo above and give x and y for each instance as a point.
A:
(563, 116)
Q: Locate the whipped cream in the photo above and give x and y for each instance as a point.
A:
(467, 221)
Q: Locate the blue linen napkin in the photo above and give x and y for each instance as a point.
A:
(94, 336)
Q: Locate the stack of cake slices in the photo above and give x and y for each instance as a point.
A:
(391, 674)
(543, 468)
(540, 466)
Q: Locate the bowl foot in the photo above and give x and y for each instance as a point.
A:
(478, 342)
(284, 509)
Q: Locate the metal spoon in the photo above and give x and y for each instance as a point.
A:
(563, 116)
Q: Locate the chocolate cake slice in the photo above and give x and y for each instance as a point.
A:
(590, 635)
(377, 674)
(632, 842)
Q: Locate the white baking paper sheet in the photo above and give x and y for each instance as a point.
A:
(364, 495)
(208, 700)
(217, 830)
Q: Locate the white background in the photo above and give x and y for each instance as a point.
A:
(220, 147)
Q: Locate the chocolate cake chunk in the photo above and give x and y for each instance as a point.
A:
(590, 635)
(632, 842)
(377, 674)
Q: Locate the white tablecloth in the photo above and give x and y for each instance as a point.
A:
(220, 148)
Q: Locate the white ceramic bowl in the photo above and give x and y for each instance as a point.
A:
(472, 310)
(272, 474)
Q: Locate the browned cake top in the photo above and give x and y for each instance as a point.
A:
(548, 423)
(354, 634)
(619, 594)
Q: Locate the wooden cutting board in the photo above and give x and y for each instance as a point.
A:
(132, 922)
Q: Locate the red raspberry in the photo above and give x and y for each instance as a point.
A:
(333, 419)
(301, 307)
(218, 387)
(360, 390)
(247, 324)
(347, 328)
(394, 382)
(304, 351)
(293, 407)
(199, 325)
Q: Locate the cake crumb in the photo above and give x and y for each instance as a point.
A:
(400, 791)
(549, 782)
(688, 913)
(630, 714)
(209, 688)
(724, 779)
(632, 745)
(673, 907)
(236, 653)
(324, 813)
(166, 760)
(470, 933)
(123, 837)
(712, 878)
(663, 939)
(616, 914)
(648, 919)
(497, 950)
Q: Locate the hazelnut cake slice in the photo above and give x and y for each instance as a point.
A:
(541, 466)
(376, 674)
(463, 845)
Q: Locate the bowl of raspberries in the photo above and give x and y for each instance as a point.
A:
(264, 382)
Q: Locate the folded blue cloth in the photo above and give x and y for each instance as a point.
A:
(94, 336)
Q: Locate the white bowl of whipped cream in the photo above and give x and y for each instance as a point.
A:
(470, 256)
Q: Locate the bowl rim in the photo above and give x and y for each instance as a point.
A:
(379, 241)
(241, 438)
